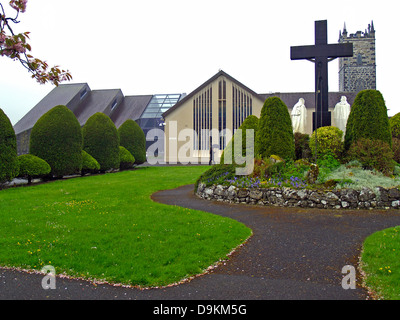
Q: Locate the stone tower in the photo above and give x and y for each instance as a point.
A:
(358, 72)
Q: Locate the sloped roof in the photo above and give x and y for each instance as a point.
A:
(62, 95)
(208, 82)
(131, 108)
(97, 101)
(291, 98)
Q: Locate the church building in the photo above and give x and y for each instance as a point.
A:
(205, 119)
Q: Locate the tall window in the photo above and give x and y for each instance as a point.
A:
(222, 113)
(242, 107)
(202, 119)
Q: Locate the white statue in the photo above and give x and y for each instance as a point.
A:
(341, 114)
(299, 117)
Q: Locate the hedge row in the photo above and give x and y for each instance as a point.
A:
(60, 147)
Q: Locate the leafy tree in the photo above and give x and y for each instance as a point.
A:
(31, 166)
(275, 131)
(368, 119)
(101, 141)
(133, 139)
(8, 150)
(16, 47)
(57, 138)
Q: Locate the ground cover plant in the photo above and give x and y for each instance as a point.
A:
(381, 263)
(107, 227)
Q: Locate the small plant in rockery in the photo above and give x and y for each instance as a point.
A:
(217, 174)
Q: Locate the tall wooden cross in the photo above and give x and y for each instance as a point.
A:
(321, 53)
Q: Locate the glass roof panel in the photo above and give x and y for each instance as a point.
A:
(159, 104)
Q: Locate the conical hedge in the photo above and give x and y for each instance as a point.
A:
(9, 165)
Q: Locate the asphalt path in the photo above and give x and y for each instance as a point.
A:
(294, 254)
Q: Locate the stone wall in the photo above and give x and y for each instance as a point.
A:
(380, 198)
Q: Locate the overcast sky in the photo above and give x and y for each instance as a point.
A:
(173, 46)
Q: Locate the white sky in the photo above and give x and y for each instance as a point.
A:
(173, 46)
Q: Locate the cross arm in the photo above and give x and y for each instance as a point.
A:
(324, 50)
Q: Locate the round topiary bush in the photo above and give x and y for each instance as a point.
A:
(31, 167)
(57, 139)
(275, 131)
(101, 141)
(394, 123)
(8, 150)
(329, 141)
(373, 154)
(127, 160)
(89, 164)
(250, 123)
(133, 139)
(368, 119)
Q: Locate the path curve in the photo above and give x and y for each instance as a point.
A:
(293, 254)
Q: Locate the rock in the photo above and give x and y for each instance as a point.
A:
(394, 194)
(256, 194)
(219, 190)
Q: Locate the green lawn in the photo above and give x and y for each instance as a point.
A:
(106, 227)
(381, 263)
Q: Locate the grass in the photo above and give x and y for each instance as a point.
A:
(381, 264)
(106, 227)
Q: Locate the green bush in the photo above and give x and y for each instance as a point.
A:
(8, 150)
(133, 139)
(396, 149)
(275, 131)
(373, 154)
(127, 160)
(217, 174)
(250, 123)
(368, 119)
(329, 141)
(57, 139)
(31, 167)
(394, 123)
(89, 164)
(101, 141)
(302, 146)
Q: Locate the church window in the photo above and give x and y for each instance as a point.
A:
(202, 119)
(359, 59)
(242, 107)
(114, 104)
(222, 113)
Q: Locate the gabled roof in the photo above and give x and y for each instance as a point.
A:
(65, 94)
(208, 82)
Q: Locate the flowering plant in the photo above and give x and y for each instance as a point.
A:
(16, 47)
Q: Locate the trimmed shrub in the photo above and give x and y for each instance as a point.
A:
(127, 160)
(302, 146)
(8, 150)
(89, 164)
(101, 141)
(373, 154)
(57, 139)
(275, 131)
(394, 123)
(31, 167)
(329, 142)
(368, 119)
(250, 123)
(133, 139)
(396, 149)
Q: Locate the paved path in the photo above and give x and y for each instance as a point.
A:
(293, 254)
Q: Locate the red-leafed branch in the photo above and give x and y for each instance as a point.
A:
(16, 47)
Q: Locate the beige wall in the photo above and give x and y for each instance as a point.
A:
(182, 118)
